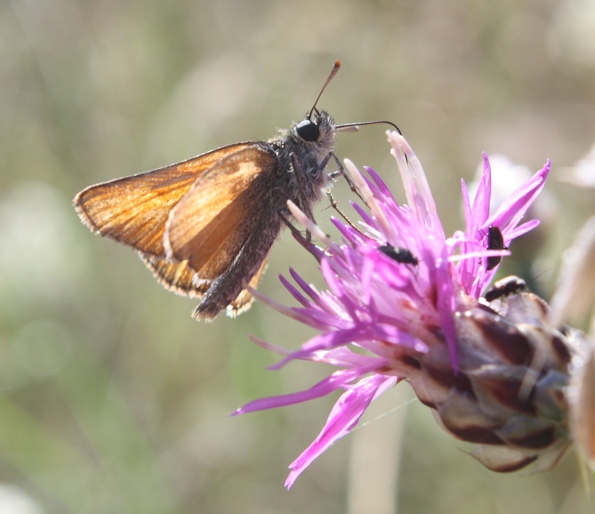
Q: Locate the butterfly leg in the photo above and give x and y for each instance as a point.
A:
(341, 172)
(343, 215)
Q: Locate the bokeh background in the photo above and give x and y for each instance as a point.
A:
(112, 399)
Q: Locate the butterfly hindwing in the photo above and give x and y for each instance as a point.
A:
(175, 276)
(210, 225)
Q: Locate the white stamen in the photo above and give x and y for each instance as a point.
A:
(417, 189)
(366, 192)
(314, 229)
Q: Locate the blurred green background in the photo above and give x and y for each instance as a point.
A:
(112, 399)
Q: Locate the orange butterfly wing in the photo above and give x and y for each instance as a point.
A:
(175, 276)
(179, 278)
(213, 187)
(211, 224)
(134, 210)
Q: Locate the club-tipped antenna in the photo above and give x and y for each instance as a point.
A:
(377, 122)
(330, 77)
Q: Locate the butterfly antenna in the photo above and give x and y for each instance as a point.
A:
(346, 126)
(330, 77)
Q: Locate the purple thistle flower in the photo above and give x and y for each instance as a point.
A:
(404, 303)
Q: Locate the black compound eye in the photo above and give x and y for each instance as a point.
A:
(308, 131)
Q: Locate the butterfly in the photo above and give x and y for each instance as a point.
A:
(205, 226)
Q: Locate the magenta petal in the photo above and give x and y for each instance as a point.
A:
(344, 416)
(367, 219)
(325, 341)
(485, 187)
(515, 207)
(522, 229)
(304, 285)
(328, 385)
(380, 184)
(393, 291)
(481, 203)
(294, 292)
(446, 309)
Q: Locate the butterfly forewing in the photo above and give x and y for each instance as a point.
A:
(134, 210)
(209, 227)
(187, 220)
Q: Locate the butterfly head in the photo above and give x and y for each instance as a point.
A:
(318, 130)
